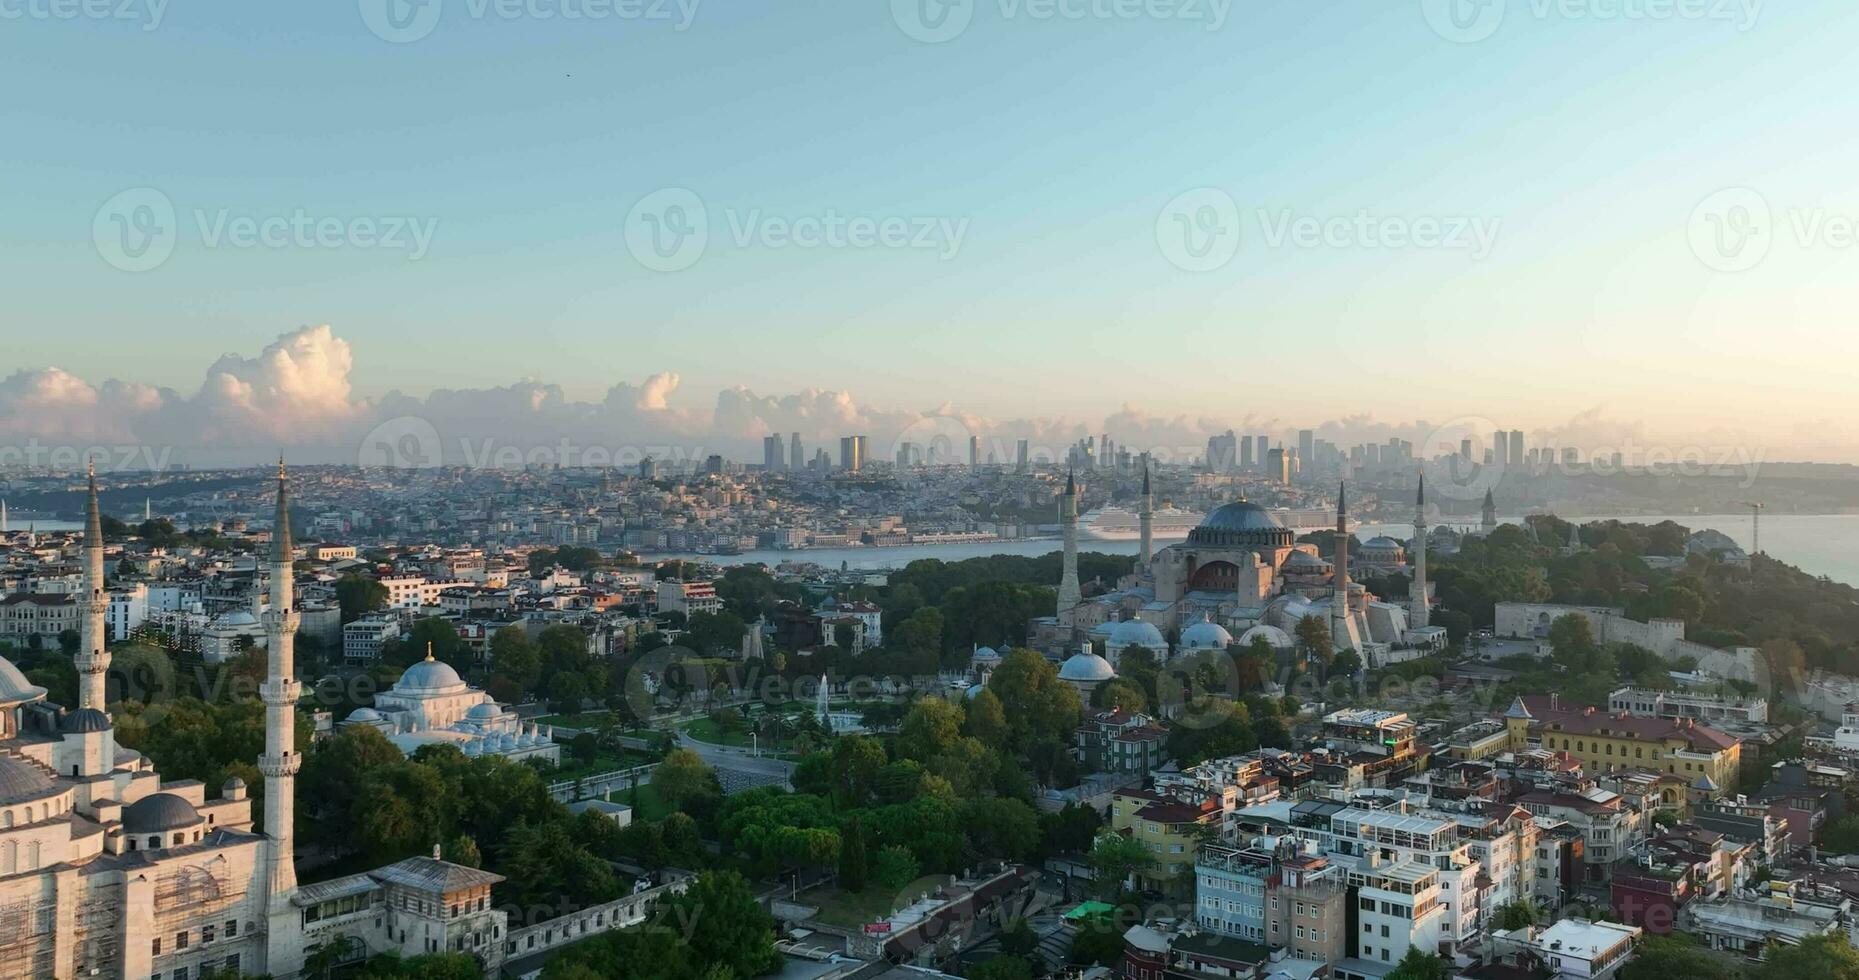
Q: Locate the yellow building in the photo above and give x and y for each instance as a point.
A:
(1170, 829)
(1705, 759)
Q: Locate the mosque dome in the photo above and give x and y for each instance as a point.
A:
(430, 675)
(483, 712)
(985, 653)
(1242, 523)
(158, 812)
(973, 692)
(21, 780)
(1205, 635)
(1136, 633)
(1273, 635)
(83, 721)
(363, 715)
(1086, 668)
(14, 687)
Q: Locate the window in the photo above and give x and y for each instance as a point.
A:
(180, 940)
(155, 945)
(232, 927)
(207, 933)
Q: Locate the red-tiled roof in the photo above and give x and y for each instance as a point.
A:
(1551, 715)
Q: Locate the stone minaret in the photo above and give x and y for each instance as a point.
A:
(1148, 517)
(1419, 614)
(1489, 522)
(93, 656)
(1339, 602)
(280, 762)
(1069, 593)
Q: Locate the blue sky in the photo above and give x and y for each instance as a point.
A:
(1583, 134)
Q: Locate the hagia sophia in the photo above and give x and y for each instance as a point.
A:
(1241, 575)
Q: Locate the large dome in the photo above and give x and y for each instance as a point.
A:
(1086, 667)
(430, 675)
(21, 780)
(1242, 524)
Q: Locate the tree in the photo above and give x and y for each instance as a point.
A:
(713, 632)
(727, 926)
(1121, 693)
(1517, 914)
(857, 761)
(359, 595)
(432, 966)
(1314, 643)
(1346, 664)
(1825, 957)
(985, 718)
(1003, 968)
(1036, 702)
(684, 778)
(895, 867)
(1098, 941)
(931, 726)
(854, 862)
(1667, 957)
(1115, 858)
(1421, 965)
(1001, 828)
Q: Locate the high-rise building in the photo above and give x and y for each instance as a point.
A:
(1465, 449)
(795, 459)
(1516, 447)
(774, 454)
(1221, 451)
(849, 453)
(1021, 459)
(1245, 453)
(1278, 465)
(864, 448)
(1306, 446)
(1262, 446)
(974, 452)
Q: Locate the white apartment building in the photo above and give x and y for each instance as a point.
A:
(127, 610)
(1573, 948)
(1398, 905)
(363, 638)
(414, 591)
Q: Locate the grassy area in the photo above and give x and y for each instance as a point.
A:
(650, 805)
(607, 760)
(849, 909)
(705, 730)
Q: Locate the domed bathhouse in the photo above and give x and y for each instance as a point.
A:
(107, 870)
(431, 705)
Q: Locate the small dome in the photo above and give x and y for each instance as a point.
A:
(1136, 633)
(1305, 559)
(159, 812)
(973, 692)
(484, 712)
(1273, 635)
(83, 721)
(985, 653)
(232, 785)
(1086, 667)
(242, 617)
(1383, 542)
(363, 715)
(429, 675)
(1205, 635)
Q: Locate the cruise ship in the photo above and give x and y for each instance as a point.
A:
(1173, 524)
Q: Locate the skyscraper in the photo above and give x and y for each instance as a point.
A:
(795, 459)
(849, 453)
(974, 452)
(1306, 446)
(774, 454)
(1245, 453)
(1516, 447)
(1020, 462)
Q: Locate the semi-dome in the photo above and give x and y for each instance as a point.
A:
(1205, 635)
(83, 721)
(159, 812)
(1242, 523)
(429, 675)
(1086, 668)
(14, 687)
(21, 780)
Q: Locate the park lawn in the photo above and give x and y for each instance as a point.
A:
(650, 805)
(849, 910)
(606, 760)
(705, 730)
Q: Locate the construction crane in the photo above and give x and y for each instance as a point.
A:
(1755, 525)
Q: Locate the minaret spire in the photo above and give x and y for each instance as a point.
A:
(1339, 603)
(93, 655)
(1069, 592)
(1489, 517)
(280, 761)
(1419, 612)
(1148, 517)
